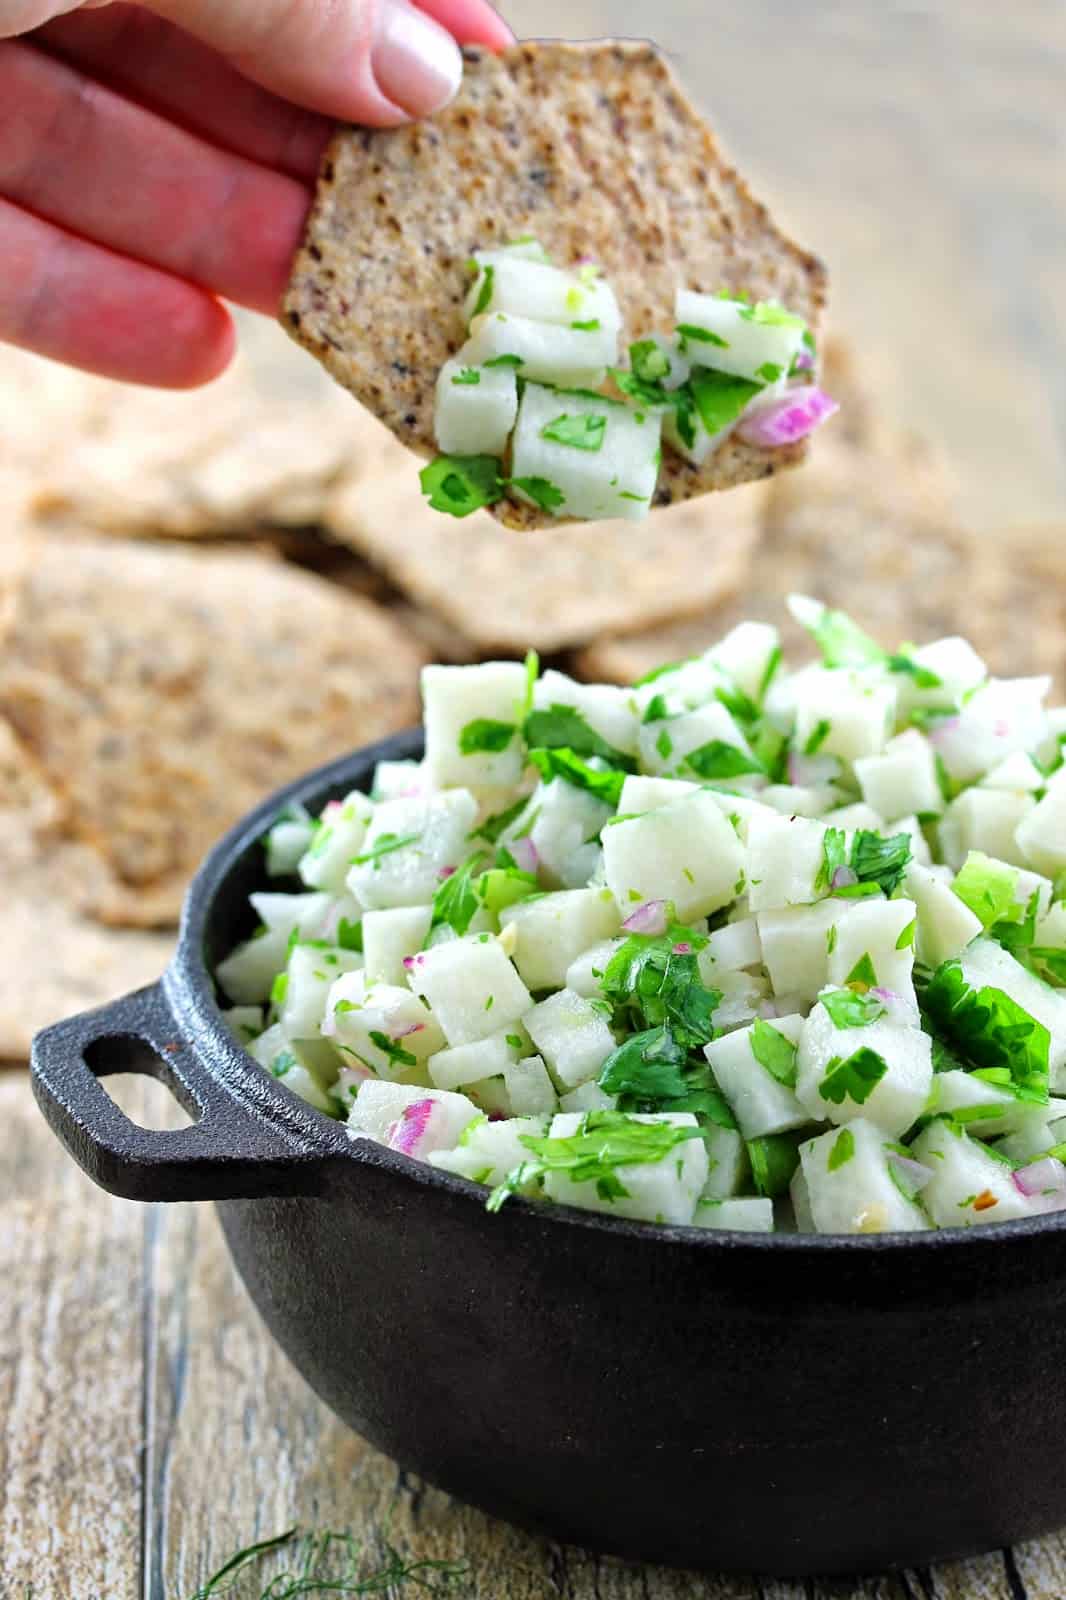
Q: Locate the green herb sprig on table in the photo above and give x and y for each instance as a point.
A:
(327, 1562)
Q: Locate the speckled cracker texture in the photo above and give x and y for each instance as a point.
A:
(592, 148)
(161, 693)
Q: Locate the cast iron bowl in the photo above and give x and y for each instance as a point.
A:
(787, 1405)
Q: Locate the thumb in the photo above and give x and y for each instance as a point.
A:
(378, 62)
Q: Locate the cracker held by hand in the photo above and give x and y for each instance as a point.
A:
(591, 150)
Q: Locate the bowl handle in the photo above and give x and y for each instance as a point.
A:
(230, 1152)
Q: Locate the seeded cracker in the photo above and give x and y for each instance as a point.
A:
(594, 150)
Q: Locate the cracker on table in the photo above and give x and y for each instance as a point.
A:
(163, 692)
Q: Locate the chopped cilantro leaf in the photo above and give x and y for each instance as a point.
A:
(847, 1009)
(395, 1052)
(862, 976)
(987, 1026)
(384, 845)
(879, 860)
(649, 361)
(583, 431)
(592, 326)
(565, 763)
(460, 485)
(908, 936)
(767, 314)
(818, 737)
(493, 827)
(350, 934)
(485, 735)
(661, 986)
(840, 641)
(470, 377)
(834, 856)
(560, 726)
(775, 1052)
(506, 361)
(547, 495)
(488, 286)
(456, 901)
(688, 332)
(854, 1077)
(719, 760)
(842, 1151)
(989, 888)
(604, 1141)
(664, 745)
(923, 678)
(774, 1160)
(769, 372)
(720, 398)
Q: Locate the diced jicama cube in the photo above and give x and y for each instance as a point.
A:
(750, 653)
(475, 409)
(743, 995)
(244, 1022)
(945, 925)
(786, 862)
(554, 929)
(984, 1108)
(953, 662)
(1002, 716)
(336, 840)
(609, 711)
(1041, 834)
(472, 987)
(382, 1026)
(882, 1072)
(529, 1088)
(248, 972)
(661, 1191)
(472, 718)
(563, 824)
(488, 1152)
(850, 1186)
(587, 1097)
(749, 1215)
(686, 852)
(309, 976)
(728, 1167)
(414, 1121)
(279, 1057)
(391, 936)
(759, 342)
(846, 713)
(541, 352)
(859, 815)
(1018, 772)
(795, 944)
(705, 745)
(800, 1197)
(463, 1064)
(640, 793)
(761, 1102)
(985, 964)
(398, 780)
(902, 779)
(408, 845)
(572, 1037)
(602, 458)
(969, 1186)
(881, 930)
(988, 820)
(287, 841)
(792, 800)
(585, 973)
(543, 293)
(730, 949)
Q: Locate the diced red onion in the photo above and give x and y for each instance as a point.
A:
(413, 793)
(329, 811)
(404, 1033)
(844, 878)
(1039, 1177)
(939, 729)
(446, 872)
(787, 419)
(1001, 729)
(804, 361)
(526, 855)
(649, 918)
(914, 1172)
(682, 949)
(412, 963)
(409, 1129)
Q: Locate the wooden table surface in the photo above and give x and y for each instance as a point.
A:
(149, 1426)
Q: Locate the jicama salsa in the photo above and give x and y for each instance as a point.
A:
(741, 947)
(524, 408)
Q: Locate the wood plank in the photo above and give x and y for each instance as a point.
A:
(71, 1266)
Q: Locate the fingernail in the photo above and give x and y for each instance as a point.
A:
(418, 66)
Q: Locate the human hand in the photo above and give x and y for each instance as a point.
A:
(155, 156)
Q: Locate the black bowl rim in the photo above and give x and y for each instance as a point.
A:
(191, 991)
